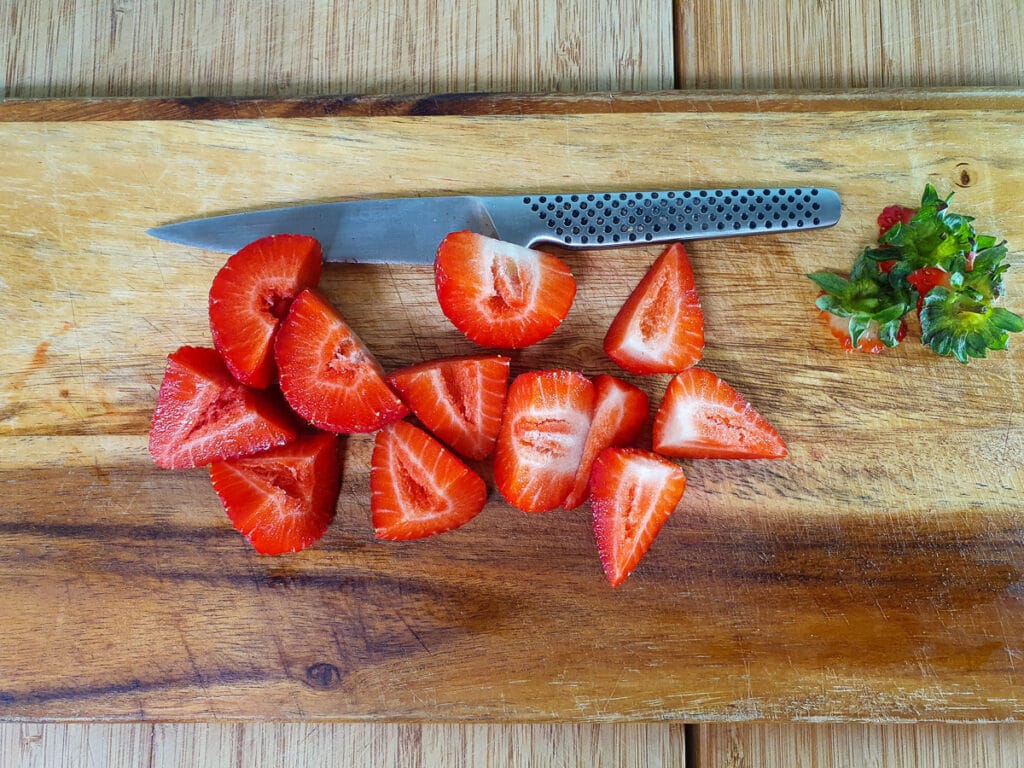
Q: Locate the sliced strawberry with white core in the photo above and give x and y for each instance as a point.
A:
(250, 296)
(620, 411)
(282, 500)
(203, 415)
(540, 445)
(459, 399)
(500, 294)
(660, 328)
(418, 487)
(633, 493)
(702, 417)
(327, 374)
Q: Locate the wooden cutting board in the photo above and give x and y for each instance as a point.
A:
(875, 574)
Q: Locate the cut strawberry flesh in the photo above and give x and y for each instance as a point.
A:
(327, 374)
(419, 488)
(282, 500)
(869, 341)
(660, 327)
(702, 417)
(500, 294)
(540, 445)
(459, 399)
(633, 493)
(250, 297)
(204, 415)
(620, 411)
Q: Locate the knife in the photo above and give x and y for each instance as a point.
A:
(408, 230)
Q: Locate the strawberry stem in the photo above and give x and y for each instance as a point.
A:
(933, 259)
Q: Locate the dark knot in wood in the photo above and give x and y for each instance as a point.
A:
(323, 676)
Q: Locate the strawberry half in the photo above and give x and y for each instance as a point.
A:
(500, 294)
(418, 487)
(202, 414)
(327, 375)
(282, 500)
(547, 417)
(660, 328)
(459, 399)
(250, 297)
(620, 410)
(633, 493)
(702, 417)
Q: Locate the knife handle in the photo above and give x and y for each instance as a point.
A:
(603, 220)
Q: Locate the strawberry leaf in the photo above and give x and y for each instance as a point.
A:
(986, 277)
(934, 237)
(962, 324)
(932, 258)
(830, 282)
(867, 296)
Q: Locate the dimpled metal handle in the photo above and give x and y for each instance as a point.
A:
(601, 220)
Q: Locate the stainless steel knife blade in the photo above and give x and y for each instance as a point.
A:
(408, 230)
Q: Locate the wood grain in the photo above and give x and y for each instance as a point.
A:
(380, 745)
(764, 44)
(918, 62)
(852, 745)
(798, 44)
(853, 581)
(500, 104)
(319, 47)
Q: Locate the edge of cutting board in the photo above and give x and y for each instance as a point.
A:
(206, 108)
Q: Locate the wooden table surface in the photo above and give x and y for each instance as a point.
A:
(189, 47)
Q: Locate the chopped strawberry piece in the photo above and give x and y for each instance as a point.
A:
(660, 328)
(885, 267)
(869, 341)
(250, 297)
(327, 374)
(500, 294)
(282, 500)
(540, 445)
(620, 411)
(202, 414)
(633, 493)
(459, 399)
(702, 417)
(418, 487)
(926, 278)
(893, 215)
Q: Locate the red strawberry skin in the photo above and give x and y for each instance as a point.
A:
(202, 414)
(702, 417)
(327, 374)
(418, 487)
(459, 399)
(500, 294)
(926, 278)
(620, 411)
(282, 500)
(633, 493)
(660, 328)
(540, 445)
(250, 297)
(892, 215)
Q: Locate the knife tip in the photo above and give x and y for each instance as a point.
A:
(159, 233)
